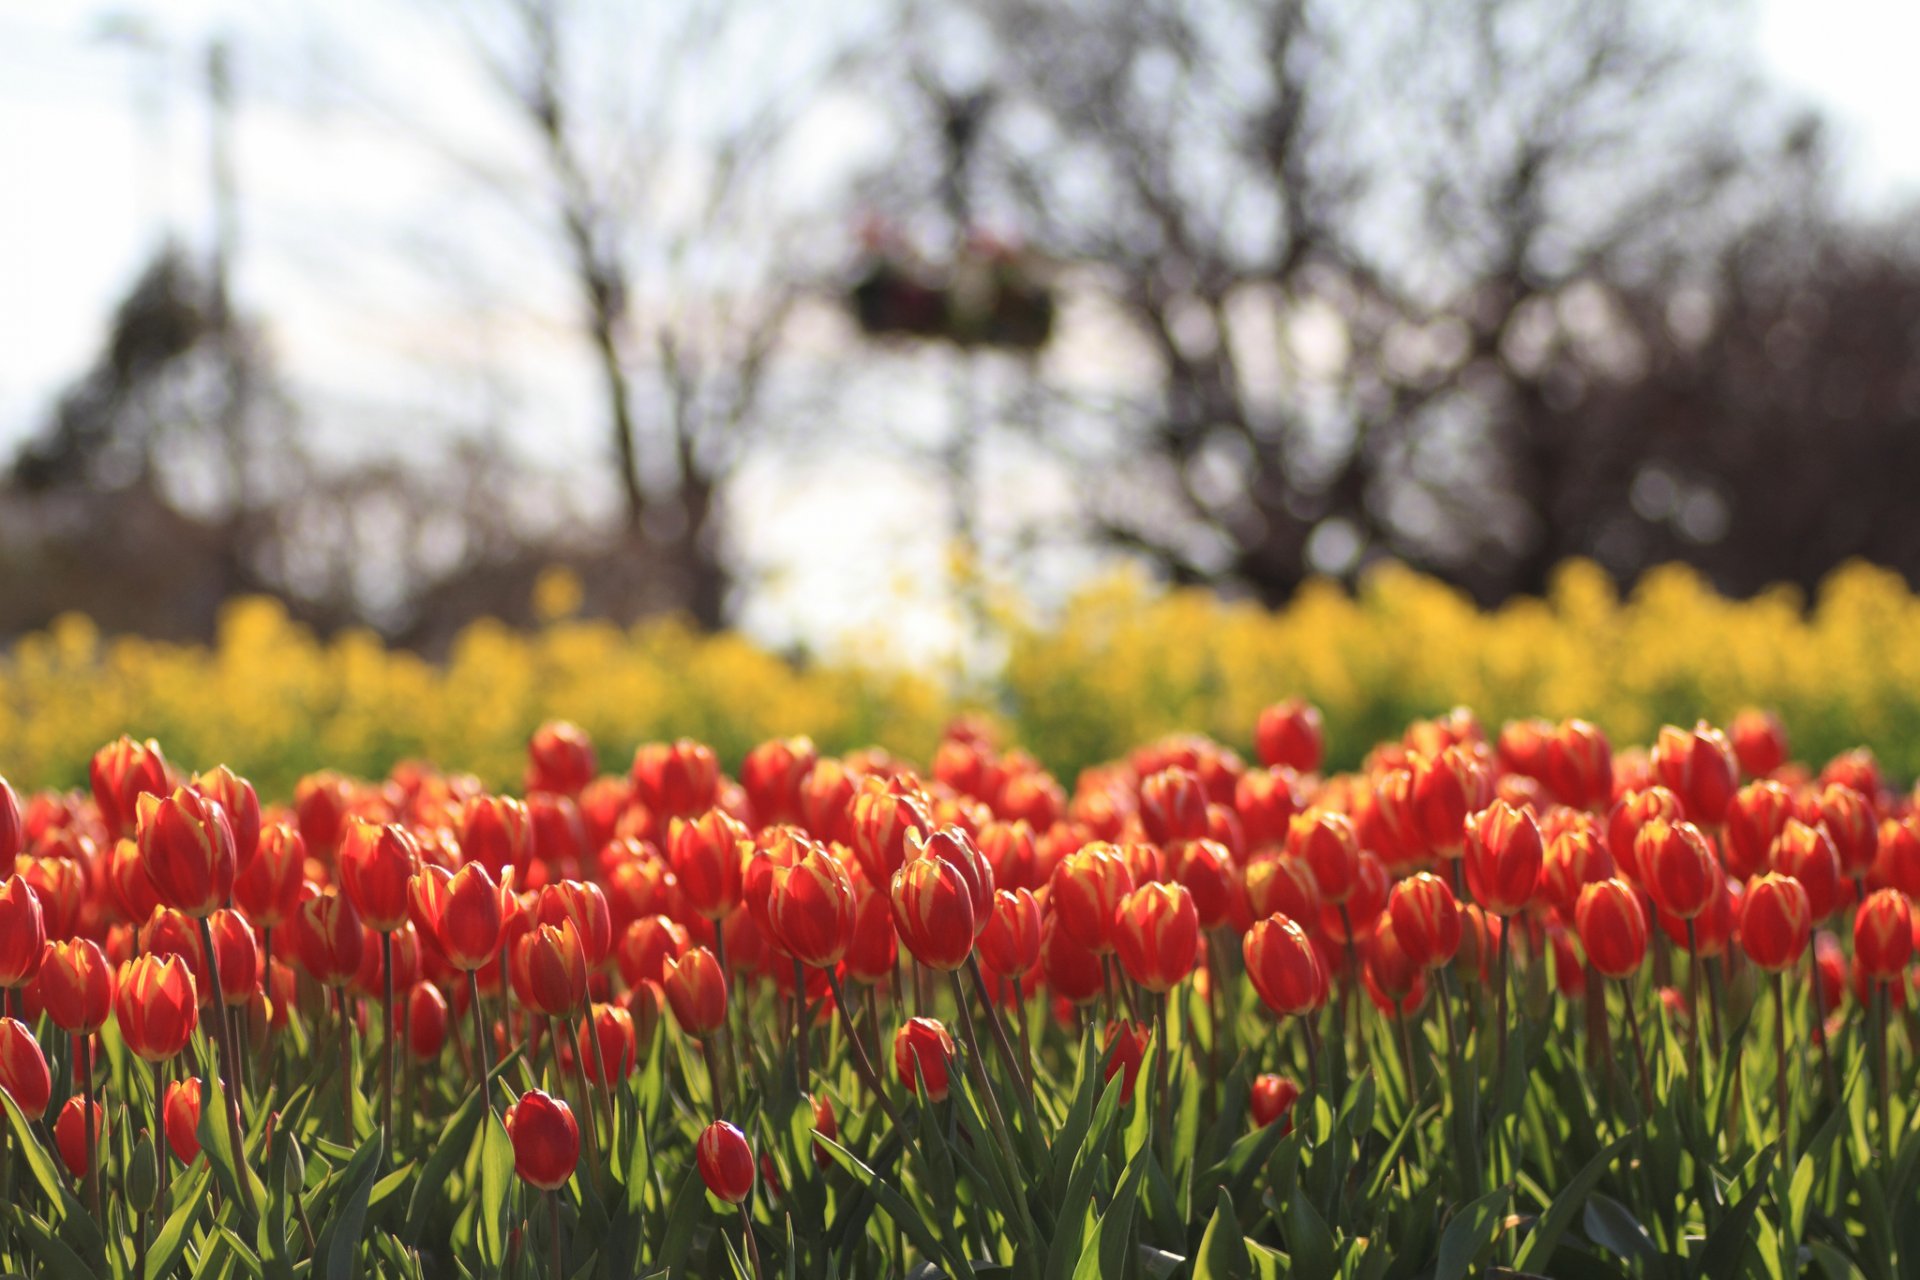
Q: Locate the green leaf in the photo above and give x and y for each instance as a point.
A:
(216, 1143)
(496, 1181)
(1223, 1250)
(688, 1203)
(911, 1224)
(1309, 1242)
(60, 1261)
(1470, 1234)
(1612, 1226)
(1728, 1243)
(339, 1240)
(1537, 1252)
(1063, 1255)
(190, 1201)
(75, 1224)
(1106, 1253)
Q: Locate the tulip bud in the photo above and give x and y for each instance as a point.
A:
(725, 1161)
(1759, 742)
(188, 850)
(1883, 934)
(923, 1052)
(696, 990)
(23, 933)
(1072, 972)
(1681, 873)
(1125, 1049)
(426, 1027)
(1755, 818)
(13, 826)
(1087, 889)
(463, 913)
(1010, 944)
(773, 775)
(1271, 1099)
(1289, 733)
(1503, 856)
(266, 887)
(675, 780)
(497, 833)
(1426, 919)
(933, 912)
(1807, 854)
(586, 907)
(1156, 932)
(377, 866)
(23, 1069)
(550, 970)
(545, 1138)
(71, 1137)
(236, 798)
(1284, 967)
(156, 1006)
(1850, 820)
(810, 910)
(1575, 857)
(1579, 765)
(1634, 810)
(121, 772)
(328, 939)
(880, 822)
(646, 946)
(1612, 927)
(1775, 922)
(143, 1175)
(1897, 863)
(610, 1041)
(1697, 765)
(1173, 806)
(1447, 789)
(180, 1115)
(76, 985)
(707, 856)
(560, 759)
(1394, 982)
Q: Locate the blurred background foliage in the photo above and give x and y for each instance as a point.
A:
(1125, 662)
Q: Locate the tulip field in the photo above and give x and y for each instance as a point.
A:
(1504, 999)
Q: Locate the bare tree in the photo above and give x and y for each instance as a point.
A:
(1372, 258)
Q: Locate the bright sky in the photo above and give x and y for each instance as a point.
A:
(101, 144)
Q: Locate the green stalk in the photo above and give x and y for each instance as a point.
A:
(234, 1101)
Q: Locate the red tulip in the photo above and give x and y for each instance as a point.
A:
(1277, 882)
(707, 856)
(545, 1138)
(923, 1046)
(1155, 933)
(1267, 801)
(726, 1162)
(1612, 927)
(1850, 820)
(550, 970)
(236, 958)
(76, 985)
(1124, 1050)
(560, 759)
(586, 907)
(1755, 818)
(1173, 806)
(825, 1125)
(23, 1069)
(645, 947)
(1759, 742)
(874, 949)
(1426, 919)
(1072, 972)
(188, 849)
(1634, 810)
(13, 826)
(1575, 857)
(132, 889)
(72, 1139)
(1010, 944)
(377, 865)
(1447, 789)
(1394, 982)
(236, 798)
(1775, 921)
(773, 775)
(952, 844)
(1204, 869)
(463, 913)
(610, 1027)
(1807, 854)
(1883, 934)
(1897, 864)
(933, 912)
(1503, 856)
(1579, 765)
(180, 1117)
(811, 908)
(156, 1006)
(880, 822)
(1087, 889)
(1680, 870)
(266, 887)
(1697, 765)
(675, 780)
(23, 933)
(1290, 733)
(320, 804)
(122, 772)
(696, 990)
(328, 939)
(427, 1017)
(497, 832)
(1284, 967)
(1272, 1099)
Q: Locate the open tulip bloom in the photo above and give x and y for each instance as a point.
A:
(1483, 998)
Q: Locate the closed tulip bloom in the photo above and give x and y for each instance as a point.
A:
(1776, 921)
(180, 1116)
(121, 772)
(545, 1138)
(236, 958)
(923, 1046)
(1327, 842)
(57, 874)
(170, 933)
(726, 1162)
(1391, 977)
(23, 1069)
(1713, 928)
(1680, 870)
(645, 947)
(1447, 789)
(266, 887)
(1579, 765)
(707, 855)
(1087, 888)
(1697, 765)
(1897, 863)
(377, 864)
(1156, 933)
(1267, 800)
(1010, 944)
(497, 832)
(76, 985)
(611, 1028)
(1284, 967)
(1612, 926)
(773, 775)
(426, 1013)
(188, 848)
(71, 1137)
(952, 844)
(586, 906)
(1856, 768)
(1755, 818)
(463, 913)
(874, 947)
(320, 805)
(329, 939)
(1575, 858)
(1204, 869)
(1289, 733)
(810, 909)
(13, 825)
(696, 991)
(560, 759)
(23, 933)
(550, 969)
(1072, 972)
(236, 798)
(1124, 1049)
(1759, 742)
(1426, 919)
(1807, 854)
(1503, 856)
(933, 912)
(1633, 811)
(1883, 934)
(131, 888)
(677, 779)
(156, 1006)
(1282, 883)
(1173, 806)
(1271, 1099)
(1849, 818)
(880, 822)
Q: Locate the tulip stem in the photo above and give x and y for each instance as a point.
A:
(587, 1112)
(977, 1063)
(600, 1069)
(861, 1061)
(1501, 983)
(1780, 1094)
(1639, 1049)
(1313, 1055)
(753, 1245)
(1001, 1045)
(1820, 1017)
(1346, 990)
(228, 1075)
(1162, 1096)
(346, 1065)
(1880, 1063)
(553, 1230)
(480, 1039)
(386, 1041)
(87, 1130)
(802, 1031)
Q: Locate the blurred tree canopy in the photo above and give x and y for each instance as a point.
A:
(1478, 285)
